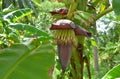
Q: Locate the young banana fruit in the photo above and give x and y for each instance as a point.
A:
(65, 34)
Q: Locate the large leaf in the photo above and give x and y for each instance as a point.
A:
(113, 73)
(30, 28)
(20, 62)
(17, 14)
(116, 6)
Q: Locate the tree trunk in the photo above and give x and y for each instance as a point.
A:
(96, 66)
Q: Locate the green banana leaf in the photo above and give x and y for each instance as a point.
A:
(30, 28)
(20, 62)
(116, 6)
(114, 73)
(17, 14)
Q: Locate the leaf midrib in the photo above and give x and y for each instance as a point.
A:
(22, 58)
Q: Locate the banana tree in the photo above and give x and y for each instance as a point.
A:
(70, 29)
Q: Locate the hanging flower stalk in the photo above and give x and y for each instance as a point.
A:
(65, 34)
(68, 35)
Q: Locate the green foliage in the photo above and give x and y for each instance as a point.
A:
(23, 53)
(50, 6)
(27, 48)
(45, 19)
(17, 14)
(29, 28)
(13, 4)
(108, 43)
(10, 35)
(93, 42)
(114, 73)
(26, 63)
(115, 4)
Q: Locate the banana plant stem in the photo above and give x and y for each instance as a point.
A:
(71, 10)
(103, 13)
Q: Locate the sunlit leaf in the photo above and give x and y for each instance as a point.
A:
(113, 73)
(102, 8)
(93, 43)
(17, 14)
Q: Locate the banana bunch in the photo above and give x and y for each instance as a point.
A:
(65, 37)
(85, 18)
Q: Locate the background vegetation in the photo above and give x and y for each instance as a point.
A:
(27, 50)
